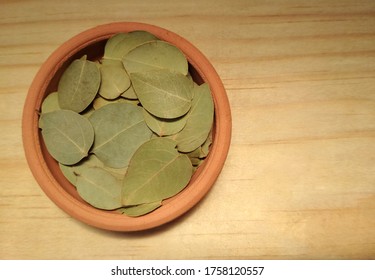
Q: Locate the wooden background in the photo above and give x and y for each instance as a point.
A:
(299, 181)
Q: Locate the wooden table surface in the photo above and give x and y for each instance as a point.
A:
(299, 180)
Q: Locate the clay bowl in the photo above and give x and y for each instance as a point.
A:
(45, 169)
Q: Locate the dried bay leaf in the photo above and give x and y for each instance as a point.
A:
(156, 171)
(100, 102)
(99, 188)
(196, 156)
(114, 81)
(199, 121)
(72, 171)
(67, 135)
(119, 173)
(120, 44)
(68, 172)
(197, 153)
(50, 103)
(155, 55)
(202, 151)
(164, 93)
(78, 85)
(119, 130)
(112, 45)
(154, 135)
(130, 93)
(87, 112)
(112, 62)
(195, 161)
(141, 209)
(163, 127)
(205, 149)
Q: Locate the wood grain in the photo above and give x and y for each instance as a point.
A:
(299, 181)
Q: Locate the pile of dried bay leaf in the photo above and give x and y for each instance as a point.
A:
(129, 130)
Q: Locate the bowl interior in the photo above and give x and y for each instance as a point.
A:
(94, 52)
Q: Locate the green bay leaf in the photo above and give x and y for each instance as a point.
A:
(99, 188)
(78, 85)
(164, 93)
(112, 46)
(156, 171)
(119, 130)
(199, 121)
(205, 149)
(155, 55)
(71, 172)
(202, 151)
(164, 127)
(129, 93)
(68, 172)
(87, 112)
(120, 44)
(112, 62)
(195, 161)
(67, 135)
(141, 209)
(100, 102)
(50, 103)
(114, 81)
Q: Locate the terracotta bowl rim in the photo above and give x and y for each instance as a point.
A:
(200, 184)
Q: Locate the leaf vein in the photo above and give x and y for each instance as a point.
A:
(70, 139)
(116, 135)
(165, 91)
(141, 186)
